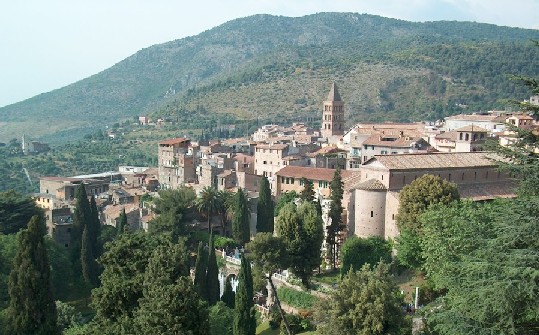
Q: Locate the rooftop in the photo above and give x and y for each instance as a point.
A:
(334, 93)
(173, 141)
(435, 160)
(312, 173)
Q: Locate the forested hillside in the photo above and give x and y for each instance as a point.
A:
(266, 66)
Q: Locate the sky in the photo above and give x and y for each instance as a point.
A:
(45, 45)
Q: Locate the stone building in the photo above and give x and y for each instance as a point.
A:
(333, 114)
(59, 224)
(176, 163)
(375, 200)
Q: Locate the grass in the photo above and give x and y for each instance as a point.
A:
(329, 278)
(265, 329)
(407, 281)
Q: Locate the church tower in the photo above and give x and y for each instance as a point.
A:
(333, 114)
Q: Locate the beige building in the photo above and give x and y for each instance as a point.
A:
(375, 200)
(57, 192)
(176, 163)
(465, 139)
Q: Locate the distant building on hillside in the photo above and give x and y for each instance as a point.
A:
(176, 163)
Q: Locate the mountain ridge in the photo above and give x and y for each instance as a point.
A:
(261, 52)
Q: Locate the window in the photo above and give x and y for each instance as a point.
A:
(301, 182)
(372, 214)
(265, 162)
(282, 180)
(291, 180)
(320, 184)
(325, 184)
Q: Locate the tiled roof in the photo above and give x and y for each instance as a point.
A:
(436, 160)
(272, 146)
(371, 184)
(449, 135)
(488, 191)
(474, 117)
(399, 142)
(312, 173)
(173, 141)
(472, 128)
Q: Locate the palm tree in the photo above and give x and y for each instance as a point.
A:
(224, 201)
(207, 203)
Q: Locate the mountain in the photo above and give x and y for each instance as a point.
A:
(279, 69)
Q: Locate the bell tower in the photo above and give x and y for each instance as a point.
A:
(333, 114)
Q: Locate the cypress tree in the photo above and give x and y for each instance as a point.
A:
(335, 214)
(81, 218)
(240, 221)
(32, 309)
(228, 295)
(122, 222)
(87, 260)
(201, 266)
(264, 208)
(212, 275)
(244, 311)
(94, 228)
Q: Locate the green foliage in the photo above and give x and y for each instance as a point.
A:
(31, 308)
(285, 198)
(221, 319)
(335, 215)
(121, 222)
(366, 303)
(356, 252)
(201, 267)
(8, 249)
(172, 206)
(297, 299)
(268, 252)
(436, 65)
(124, 263)
(244, 311)
(170, 304)
(67, 316)
(88, 263)
(94, 229)
(302, 232)
(228, 297)
(307, 194)
(264, 219)
(414, 199)
(417, 196)
(207, 203)
(212, 276)
(486, 257)
(240, 221)
(15, 211)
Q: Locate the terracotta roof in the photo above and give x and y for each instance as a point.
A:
(488, 191)
(521, 117)
(312, 173)
(449, 135)
(371, 184)
(272, 146)
(396, 142)
(173, 141)
(325, 150)
(472, 128)
(334, 94)
(435, 160)
(474, 117)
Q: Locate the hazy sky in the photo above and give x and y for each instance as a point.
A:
(48, 44)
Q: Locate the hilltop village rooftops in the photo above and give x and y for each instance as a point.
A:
(435, 160)
(391, 141)
(478, 117)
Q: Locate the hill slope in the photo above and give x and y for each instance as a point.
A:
(278, 66)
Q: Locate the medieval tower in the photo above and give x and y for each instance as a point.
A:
(333, 114)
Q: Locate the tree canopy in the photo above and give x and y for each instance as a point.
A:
(32, 309)
(265, 208)
(357, 251)
(240, 221)
(366, 302)
(335, 215)
(16, 211)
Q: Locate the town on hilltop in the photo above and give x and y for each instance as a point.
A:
(376, 160)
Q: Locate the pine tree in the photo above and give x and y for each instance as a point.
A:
(212, 275)
(31, 309)
(88, 263)
(244, 311)
(122, 222)
(201, 266)
(335, 214)
(264, 208)
(228, 295)
(240, 221)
